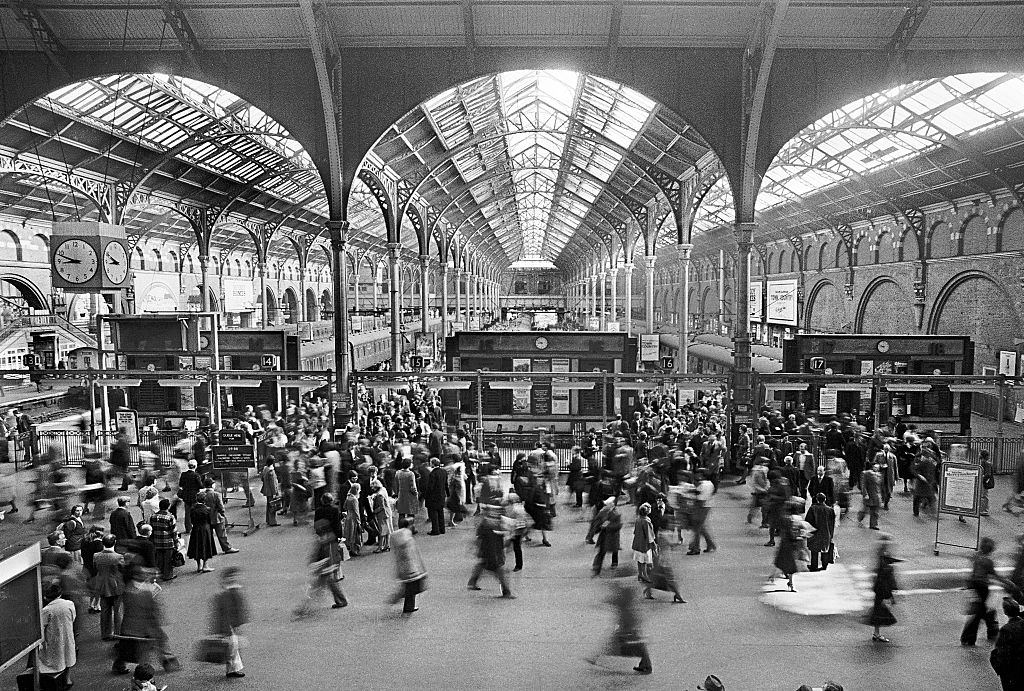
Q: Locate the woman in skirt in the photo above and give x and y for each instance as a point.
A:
(201, 545)
(790, 546)
(644, 543)
(884, 588)
(380, 502)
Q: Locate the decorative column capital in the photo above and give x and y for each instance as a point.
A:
(683, 251)
(613, 272)
(424, 259)
(649, 261)
(628, 268)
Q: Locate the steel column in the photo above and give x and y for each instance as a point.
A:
(396, 307)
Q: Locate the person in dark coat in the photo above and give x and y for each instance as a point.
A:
(230, 611)
(201, 545)
(140, 550)
(435, 496)
(164, 542)
(328, 511)
(119, 458)
(983, 573)
(626, 640)
(122, 525)
(1007, 657)
(189, 485)
(490, 535)
(779, 493)
(822, 518)
(884, 589)
(871, 489)
(606, 525)
(822, 484)
(74, 533)
(789, 546)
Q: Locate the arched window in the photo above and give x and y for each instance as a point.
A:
(863, 256)
(172, 257)
(1012, 233)
(842, 256)
(10, 246)
(823, 257)
(158, 260)
(139, 259)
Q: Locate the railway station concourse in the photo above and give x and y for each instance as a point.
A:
(375, 176)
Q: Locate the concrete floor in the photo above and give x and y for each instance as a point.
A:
(462, 639)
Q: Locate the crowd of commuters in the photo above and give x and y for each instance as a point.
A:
(398, 470)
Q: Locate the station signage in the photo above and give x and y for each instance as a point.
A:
(649, 347)
(781, 302)
(756, 302)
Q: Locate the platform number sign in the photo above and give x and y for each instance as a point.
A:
(668, 363)
(416, 362)
(268, 361)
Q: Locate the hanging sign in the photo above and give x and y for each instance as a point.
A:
(756, 301)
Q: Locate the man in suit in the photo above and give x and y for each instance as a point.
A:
(108, 586)
(122, 525)
(435, 495)
(142, 546)
(871, 489)
(189, 485)
(215, 503)
(822, 484)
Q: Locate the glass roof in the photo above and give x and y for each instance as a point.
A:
(890, 139)
(195, 142)
(538, 162)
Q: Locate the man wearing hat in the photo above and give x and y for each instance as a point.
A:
(1007, 657)
(189, 486)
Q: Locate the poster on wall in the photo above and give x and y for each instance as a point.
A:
(128, 420)
(828, 401)
(520, 397)
(593, 324)
(756, 299)
(238, 296)
(649, 347)
(559, 394)
(781, 298)
(1008, 363)
(188, 398)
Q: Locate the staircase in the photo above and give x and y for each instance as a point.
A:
(27, 324)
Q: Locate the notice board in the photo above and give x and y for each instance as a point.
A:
(20, 605)
(232, 457)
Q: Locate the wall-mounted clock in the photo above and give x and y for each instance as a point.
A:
(541, 343)
(115, 262)
(75, 261)
(883, 346)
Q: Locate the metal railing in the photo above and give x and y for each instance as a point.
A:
(72, 445)
(510, 444)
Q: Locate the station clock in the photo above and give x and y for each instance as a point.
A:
(89, 257)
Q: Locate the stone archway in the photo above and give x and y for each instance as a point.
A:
(826, 310)
(974, 304)
(885, 308)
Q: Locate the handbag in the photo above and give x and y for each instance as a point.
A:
(177, 559)
(213, 649)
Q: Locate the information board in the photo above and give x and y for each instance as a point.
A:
(756, 301)
(559, 394)
(781, 299)
(960, 493)
(20, 605)
(232, 457)
(233, 437)
(128, 420)
(828, 401)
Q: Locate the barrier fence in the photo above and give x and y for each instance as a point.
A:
(72, 445)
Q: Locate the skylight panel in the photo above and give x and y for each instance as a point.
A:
(962, 117)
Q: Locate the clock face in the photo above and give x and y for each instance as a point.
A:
(115, 262)
(75, 261)
(541, 343)
(883, 346)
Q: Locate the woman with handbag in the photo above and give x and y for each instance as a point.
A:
(353, 526)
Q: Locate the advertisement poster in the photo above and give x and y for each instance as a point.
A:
(756, 301)
(1008, 363)
(186, 363)
(188, 398)
(828, 401)
(559, 394)
(782, 302)
(594, 324)
(867, 367)
(238, 296)
(649, 347)
(128, 420)
(521, 397)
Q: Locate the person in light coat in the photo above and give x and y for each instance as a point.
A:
(380, 503)
(57, 654)
(409, 568)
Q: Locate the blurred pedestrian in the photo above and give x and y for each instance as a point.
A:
(108, 585)
(871, 486)
(353, 525)
(201, 545)
(271, 490)
(1007, 657)
(380, 504)
(983, 573)
(325, 569)
(822, 518)
(165, 539)
(490, 534)
(142, 629)
(409, 568)
(521, 522)
(700, 513)
(626, 640)
(230, 611)
(884, 588)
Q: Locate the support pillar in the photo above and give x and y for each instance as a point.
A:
(204, 269)
(603, 292)
(470, 305)
(743, 393)
(613, 280)
(444, 305)
(649, 261)
(263, 292)
(458, 297)
(627, 271)
(682, 367)
(424, 294)
(376, 288)
(338, 232)
(721, 290)
(396, 306)
(480, 298)
(355, 290)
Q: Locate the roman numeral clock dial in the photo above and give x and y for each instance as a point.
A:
(76, 261)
